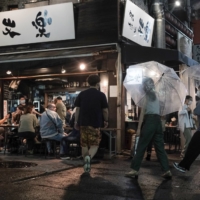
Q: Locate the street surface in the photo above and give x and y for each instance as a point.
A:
(54, 179)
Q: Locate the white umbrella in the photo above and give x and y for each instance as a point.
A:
(169, 89)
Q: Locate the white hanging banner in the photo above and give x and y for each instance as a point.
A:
(138, 25)
(40, 24)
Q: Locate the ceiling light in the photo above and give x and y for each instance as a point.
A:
(82, 66)
(177, 3)
(8, 72)
(63, 70)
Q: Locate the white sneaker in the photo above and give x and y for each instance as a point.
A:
(87, 166)
(181, 169)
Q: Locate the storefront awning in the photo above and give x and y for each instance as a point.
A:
(53, 54)
(139, 54)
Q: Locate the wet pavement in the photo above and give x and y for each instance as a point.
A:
(56, 179)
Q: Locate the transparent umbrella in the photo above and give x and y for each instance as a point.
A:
(193, 72)
(166, 84)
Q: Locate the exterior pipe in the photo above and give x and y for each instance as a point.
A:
(159, 30)
(189, 12)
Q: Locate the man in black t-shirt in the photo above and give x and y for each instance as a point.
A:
(91, 112)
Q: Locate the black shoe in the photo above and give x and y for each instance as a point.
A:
(181, 169)
(167, 175)
(64, 157)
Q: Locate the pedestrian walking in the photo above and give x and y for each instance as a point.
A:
(193, 149)
(151, 130)
(91, 113)
(185, 124)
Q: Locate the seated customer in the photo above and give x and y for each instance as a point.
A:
(17, 114)
(51, 127)
(2, 131)
(27, 124)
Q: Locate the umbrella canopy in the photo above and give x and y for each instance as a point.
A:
(165, 84)
(193, 72)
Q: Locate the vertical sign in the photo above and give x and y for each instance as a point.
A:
(138, 25)
(5, 107)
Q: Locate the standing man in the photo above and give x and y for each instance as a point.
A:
(61, 109)
(151, 131)
(185, 124)
(91, 113)
(51, 127)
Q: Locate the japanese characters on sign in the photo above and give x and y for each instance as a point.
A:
(40, 24)
(196, 53)
(138, 25)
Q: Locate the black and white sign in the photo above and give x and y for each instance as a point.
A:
(196, 53)
(138, 25)
(40, 24)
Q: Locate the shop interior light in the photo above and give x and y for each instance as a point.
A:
(8, 72)
(177, 3)
(82, 66)
(63, 70)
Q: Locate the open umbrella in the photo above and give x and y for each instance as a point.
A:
(193, 72)
(167, 86)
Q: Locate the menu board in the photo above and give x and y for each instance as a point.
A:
(6, 92)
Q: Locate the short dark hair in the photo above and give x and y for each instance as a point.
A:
(28, 109)
(20, 107)
(188, 97)
(93, 79)
(59, 98)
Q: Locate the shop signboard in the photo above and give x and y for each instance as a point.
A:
(36, 25)
(196, 53)
(137, 25)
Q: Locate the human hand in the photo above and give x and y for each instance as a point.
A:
(7, 116)
(188, 109)
(65, 134)
(105, 124)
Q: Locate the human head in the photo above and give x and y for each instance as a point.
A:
(188, 100)
(20, 108)
(148, 84)
(93, 80)
(59, 99)
(51, 106)
(22, 100)
(28, 109)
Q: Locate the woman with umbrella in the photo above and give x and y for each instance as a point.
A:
(151, 130)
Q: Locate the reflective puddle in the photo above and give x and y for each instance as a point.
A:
(16, 164)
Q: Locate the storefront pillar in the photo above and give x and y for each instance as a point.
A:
(119, 100)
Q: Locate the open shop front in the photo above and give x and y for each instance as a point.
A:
(43, 84)
(36, 64)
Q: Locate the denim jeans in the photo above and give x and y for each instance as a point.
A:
(74, 136)
(59, 138)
